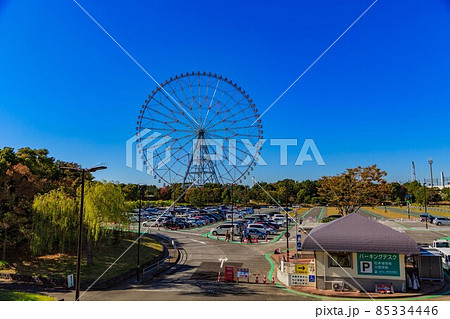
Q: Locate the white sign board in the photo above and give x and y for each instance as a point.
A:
(70, 281)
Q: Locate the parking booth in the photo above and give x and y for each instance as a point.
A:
(356, 253)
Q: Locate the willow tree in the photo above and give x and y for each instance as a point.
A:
(104, 204)
(54, 222)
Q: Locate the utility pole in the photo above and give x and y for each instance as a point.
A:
(430, 161)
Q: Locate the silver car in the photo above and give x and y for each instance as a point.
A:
(441, 221)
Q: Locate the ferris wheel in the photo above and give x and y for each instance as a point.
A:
(203, 129)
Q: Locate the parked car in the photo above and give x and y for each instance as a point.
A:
(261, 227)
(257, 233)
(201, 220)
(222, 230)
(425, 216)
(270, 224)
(441, 221)
(195, 222)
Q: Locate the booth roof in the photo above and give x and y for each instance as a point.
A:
(356, 233)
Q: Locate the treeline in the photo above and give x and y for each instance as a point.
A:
(285, 191)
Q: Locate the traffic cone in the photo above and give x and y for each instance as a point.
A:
(273, 280)
(264, 279)
(257, 279)
(219, 277)
(207, 235)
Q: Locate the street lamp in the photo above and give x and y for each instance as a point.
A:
(232, 213)
(80, 223)
(430, 161)
(426, 210)
(138, 270)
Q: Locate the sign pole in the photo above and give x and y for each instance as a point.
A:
(296, 232)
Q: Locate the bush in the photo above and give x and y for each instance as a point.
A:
(4, 265)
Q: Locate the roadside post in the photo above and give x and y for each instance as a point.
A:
(287, 236)
(296, 232)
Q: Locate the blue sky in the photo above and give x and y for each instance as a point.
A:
(380, 95)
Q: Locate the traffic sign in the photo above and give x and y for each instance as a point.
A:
(301, 269)
(287, 234)
(299, 246)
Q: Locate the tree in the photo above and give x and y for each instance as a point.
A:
(354, 188)
(104, 203)
(18, 186)
(307, 192)
(194, 196)
(55, 221)
(397, 192)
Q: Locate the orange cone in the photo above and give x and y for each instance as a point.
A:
(207, 235)
(219, 277)
(264, 279)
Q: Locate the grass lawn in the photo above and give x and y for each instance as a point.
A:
(430, 210)
(6, 295)
(328, 211)
(61, 265)
(389, 214)
(300, 211)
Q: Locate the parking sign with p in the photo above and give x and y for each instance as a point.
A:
(365, 267)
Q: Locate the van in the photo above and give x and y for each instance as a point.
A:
(221, 230)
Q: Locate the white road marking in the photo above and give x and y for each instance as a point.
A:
(198, 241)
(222, 260)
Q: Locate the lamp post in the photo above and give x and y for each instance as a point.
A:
(138, 270)
(80, 223)
(425, 204)
(430, 161)
(232, 213)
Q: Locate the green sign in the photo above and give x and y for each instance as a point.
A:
(378, 264)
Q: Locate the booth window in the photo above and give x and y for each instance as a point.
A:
(340, 260)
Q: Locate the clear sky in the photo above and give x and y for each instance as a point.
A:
(380, 95)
